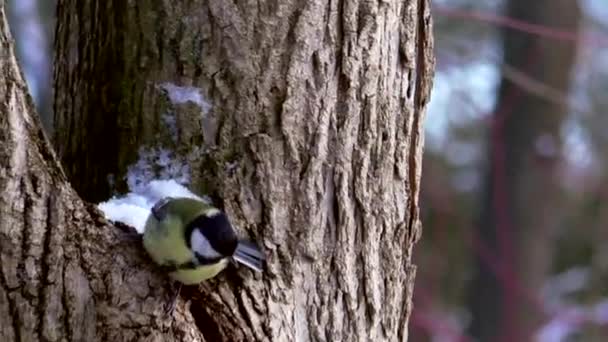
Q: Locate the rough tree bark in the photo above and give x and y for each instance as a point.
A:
(303, 118)
(64, 273)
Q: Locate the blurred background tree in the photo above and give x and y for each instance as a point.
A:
(521, 198)
(513, 182)
(515, 243)
(33, 23)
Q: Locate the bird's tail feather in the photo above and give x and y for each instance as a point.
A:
(248, 254)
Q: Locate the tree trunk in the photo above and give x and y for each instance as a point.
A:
(520, 213)
(305, 119)
(64, 274)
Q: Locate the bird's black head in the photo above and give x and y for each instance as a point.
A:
(217, 230)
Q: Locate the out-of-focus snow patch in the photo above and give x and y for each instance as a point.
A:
(559, 286)
(555, 331)
(566, 316)
(133, 208)
(443, 325)
(600, 312)
(184, 94)
(157, 163)
(171, 124)
(159, 189)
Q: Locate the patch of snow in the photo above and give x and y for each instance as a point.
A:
(184, 94)
(133, 208)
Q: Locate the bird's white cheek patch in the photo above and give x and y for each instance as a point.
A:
(201, 245)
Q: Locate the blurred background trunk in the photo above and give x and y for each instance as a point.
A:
(523, 202)
(521, 209)
(32, 25)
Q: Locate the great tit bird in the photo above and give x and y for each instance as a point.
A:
(195, 241)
